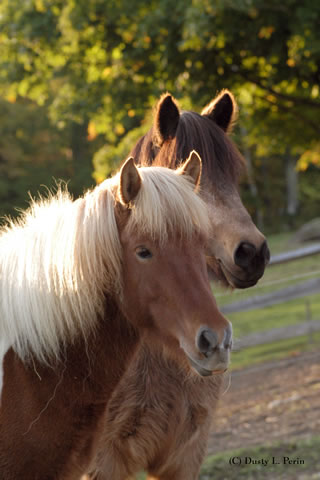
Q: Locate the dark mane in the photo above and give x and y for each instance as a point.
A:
(222, 161)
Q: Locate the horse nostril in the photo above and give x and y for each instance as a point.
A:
(244, 254)
(265, 253)
(206, 341)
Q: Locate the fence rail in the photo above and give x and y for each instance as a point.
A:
(295, 254)
(268, 299)
(282, 333)
(299, 290)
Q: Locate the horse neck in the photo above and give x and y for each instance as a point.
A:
(58, 410)
(90, 368)
(103, 358)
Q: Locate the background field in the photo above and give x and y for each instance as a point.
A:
(276, 316)
(272, 406)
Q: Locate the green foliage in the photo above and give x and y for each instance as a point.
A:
(31, 154)
(108, 158)
(99, 65)
(35, 155)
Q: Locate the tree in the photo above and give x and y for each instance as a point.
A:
(98, 65)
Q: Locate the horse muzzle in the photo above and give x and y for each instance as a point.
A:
(204, 372)
(210, 357)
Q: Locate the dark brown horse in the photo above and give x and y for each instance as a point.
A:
(239, 251)
(81, 283)
(159, 416)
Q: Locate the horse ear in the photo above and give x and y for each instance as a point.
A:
(192, 167)
(166, 118)
(130, 182)
(223, 110)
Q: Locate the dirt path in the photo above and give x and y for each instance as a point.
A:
(273, 402)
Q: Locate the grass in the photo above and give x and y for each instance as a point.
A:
(218, 467)
(281, 315)
(273, 351)
(280, 242)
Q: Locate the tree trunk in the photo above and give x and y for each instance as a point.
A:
(292, 186)
(251, 181)
(81, 159)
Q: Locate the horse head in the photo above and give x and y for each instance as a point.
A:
(237, 252)
(166, 292)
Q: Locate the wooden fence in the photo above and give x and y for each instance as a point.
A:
(299, 290)
(295, 254)
(282, 333)
(303, 289)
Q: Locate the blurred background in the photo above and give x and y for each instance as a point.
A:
(78, 80)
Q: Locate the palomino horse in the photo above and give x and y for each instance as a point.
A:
(81, 282)
(158, 418)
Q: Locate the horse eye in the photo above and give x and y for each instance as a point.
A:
(143, 253)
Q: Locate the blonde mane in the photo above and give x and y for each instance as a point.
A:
(61, 257)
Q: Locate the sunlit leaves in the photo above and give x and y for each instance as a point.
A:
(92, 131)
(102, 63)
(107, 159)
(266, 32)
(309, 157)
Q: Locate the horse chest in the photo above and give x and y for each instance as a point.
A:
(149, 418)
